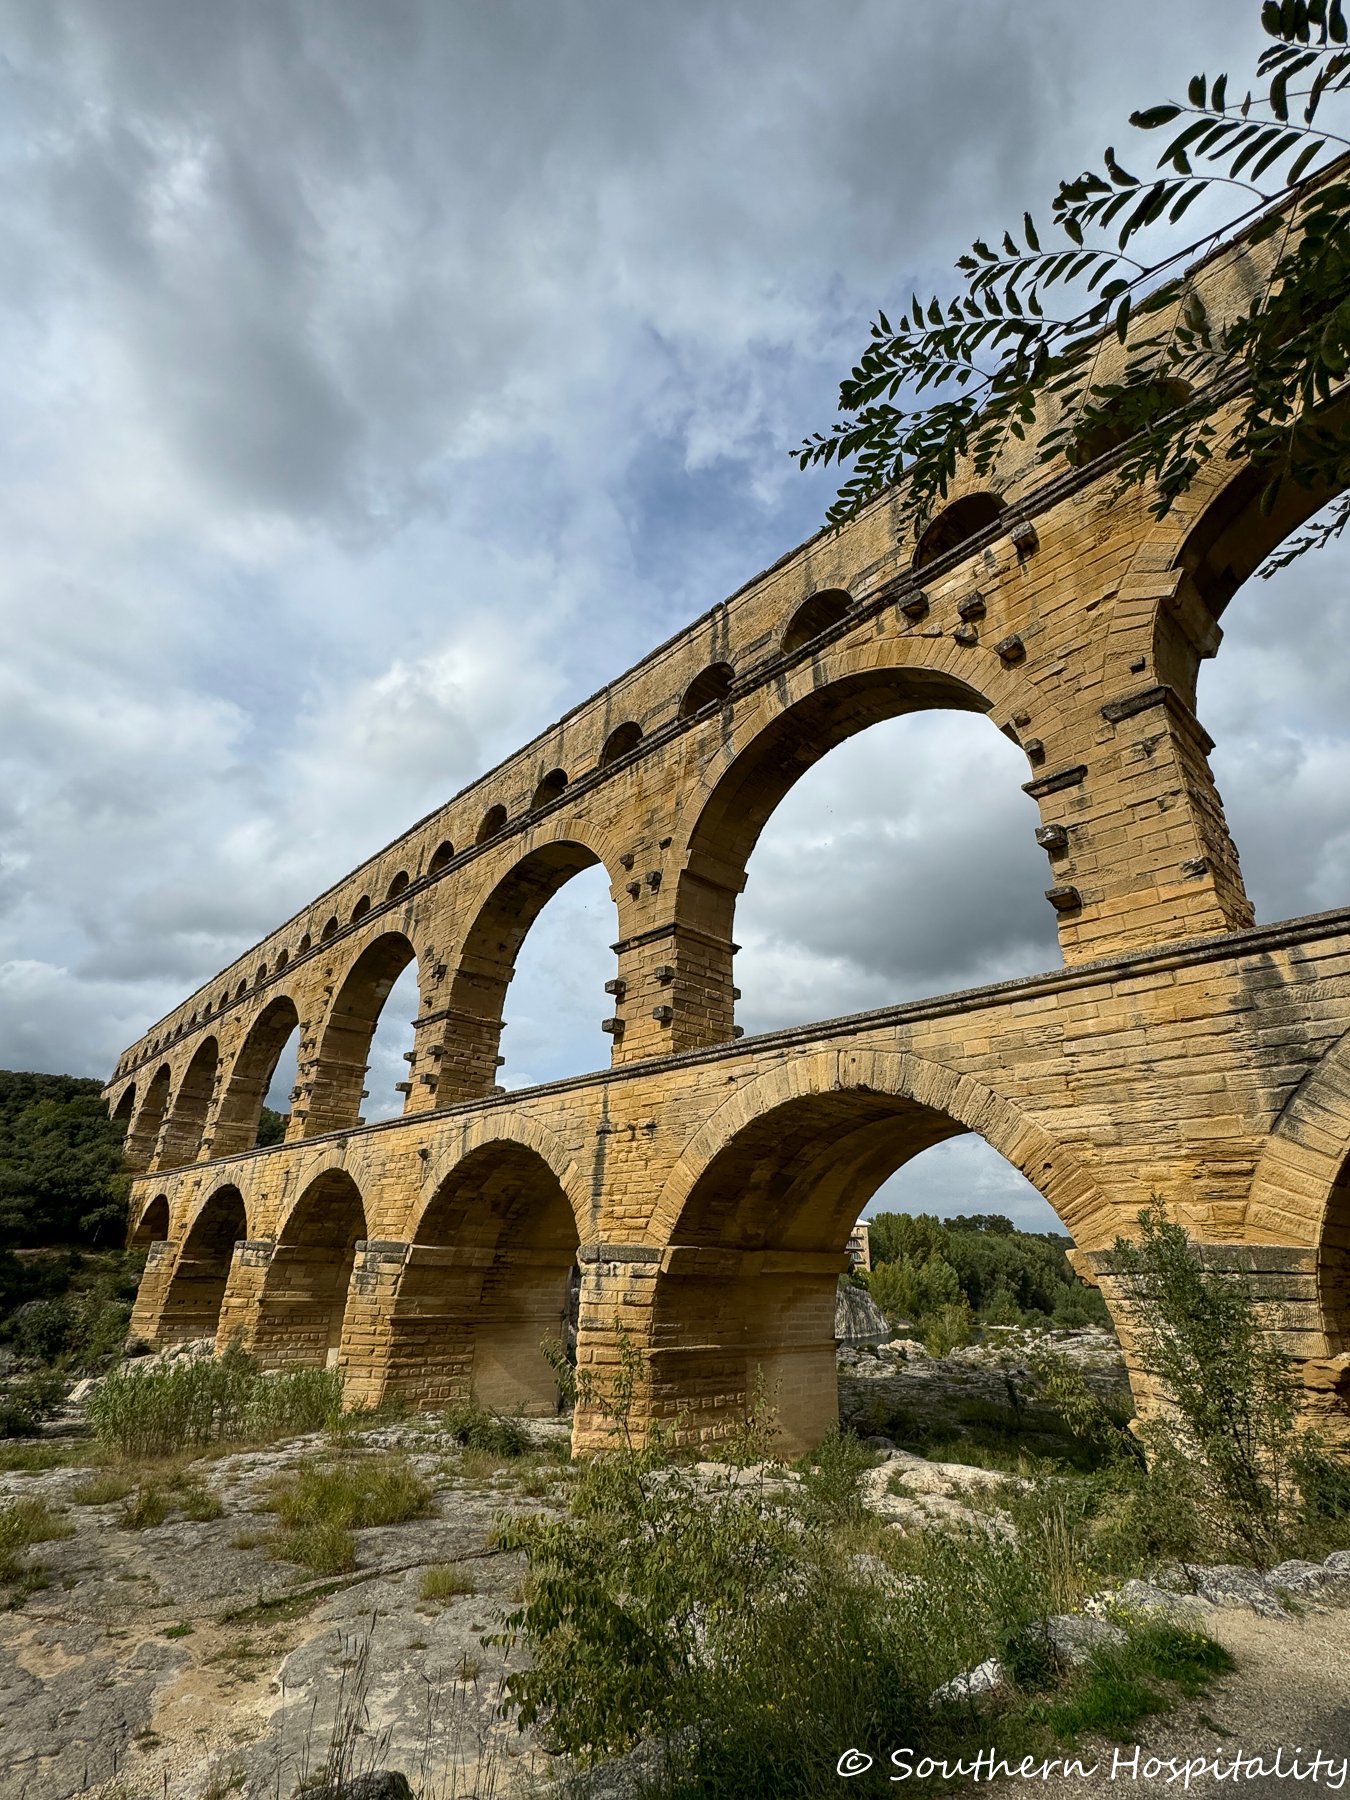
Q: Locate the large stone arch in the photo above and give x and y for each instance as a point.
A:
(486, 1281)
(756, 1213)
(337, 1082)
(152, 1224)
(302, 1301)
(196, 1289)
(143, 1137)
(1300, 1193)
(465, 1040)
(771, 742)
(250, 1076)
(181, 1140)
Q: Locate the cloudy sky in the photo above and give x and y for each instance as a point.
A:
(380, 380)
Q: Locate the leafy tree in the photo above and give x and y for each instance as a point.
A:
(271, 1127)
(956, 379)
(61, 1172)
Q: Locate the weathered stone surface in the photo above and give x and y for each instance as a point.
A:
(1180, 1051)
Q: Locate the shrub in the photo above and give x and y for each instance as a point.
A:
(23, 1523)
(26, 1403)
(476, 1428)
(1228, 1447)
(190, 1405)
(444, 1581)
(321, 1504)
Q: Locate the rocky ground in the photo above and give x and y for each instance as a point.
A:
(181, 1661)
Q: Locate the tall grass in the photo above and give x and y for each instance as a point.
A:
(321, 1505)
(192, 1405)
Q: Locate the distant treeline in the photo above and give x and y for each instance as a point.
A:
(946, 1277)
(61, 1175)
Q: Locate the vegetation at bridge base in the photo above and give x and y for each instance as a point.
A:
(958, 379)
(949, 1279)
(66, 1283)
(755, 1621)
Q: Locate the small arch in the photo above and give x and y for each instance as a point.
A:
(202, 1269)
(153, 1225)
(955, 524)
(829, 607)
(710, 688)
(1120, 412)
(330, 930)
(207, 1010)
(441, 857)
(306, 943)
(620, 741)
(550, 788)
(283, 957)
(261, 976)
(494, 820)
(304, 1297)
(361, 908)
(224, 1001)
(397, 885)
(241, 990)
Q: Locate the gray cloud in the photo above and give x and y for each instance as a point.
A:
(378, 380)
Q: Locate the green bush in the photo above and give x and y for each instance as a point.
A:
(27, 1402)
(191, 1405)
(1229, 1448)
(475, 1428)
(322, 1504)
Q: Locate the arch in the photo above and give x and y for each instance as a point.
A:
(711, 687)
(735, 808)
(829, 607)
(153, 1225)
(201, 1270)
(1233, 535)
(487, 961)
(251, 1076)
(283, 957)
(306, 942)
(261, 976)
(441, 857)
(241, 990)
(305, 1291)
(1300, 1192)
(488, 1278)
(397, 885)
(144, 1134)
(330, 930)
(344, 1044)
(623, 739)
(182, 1138)
(758, 1210)
(550, 788)
(124, 1111)
(955, 524)
(1121, 412)
(494, 820)
(361, 908)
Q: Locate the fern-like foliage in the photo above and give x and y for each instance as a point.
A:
(953, 381)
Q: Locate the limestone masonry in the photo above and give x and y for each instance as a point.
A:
(705, 1185)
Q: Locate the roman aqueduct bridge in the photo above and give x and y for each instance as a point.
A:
(704, 1184)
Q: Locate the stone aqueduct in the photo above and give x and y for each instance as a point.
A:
(704, 1184)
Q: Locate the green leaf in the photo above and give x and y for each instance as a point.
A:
(1153, 116)
(1195, 92)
